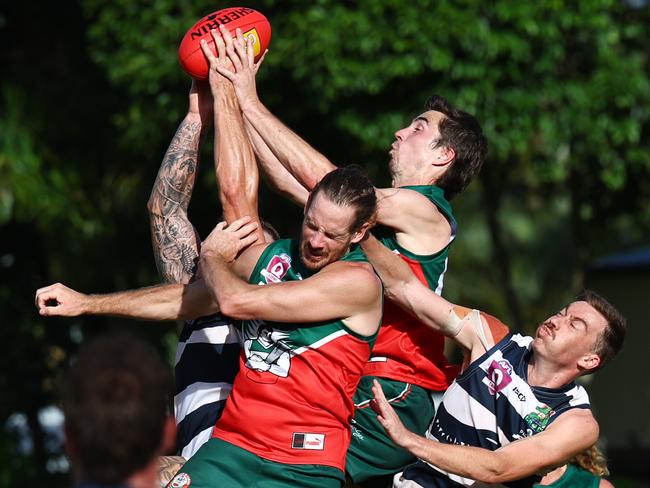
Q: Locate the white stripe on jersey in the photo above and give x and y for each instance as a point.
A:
(198, 394)
(220, 334)
(321, 342)
(199, 439)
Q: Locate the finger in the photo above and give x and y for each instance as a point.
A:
(235, 225)
(375, 406)
(209, 55)
(45, 289)
(247, 241)
(240, 45)
(221, 47)
(43, 298)
(377, 390)
(221, 225)
(259, 62)
(250, 50)
(246, 230)
(234, 57)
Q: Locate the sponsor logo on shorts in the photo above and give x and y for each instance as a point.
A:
(181, 480)
(304, 440)
(277, 268)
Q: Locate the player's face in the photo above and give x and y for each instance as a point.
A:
(326, 235)
(570, 335)
(416, 147)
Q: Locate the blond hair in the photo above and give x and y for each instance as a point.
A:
(592, 460)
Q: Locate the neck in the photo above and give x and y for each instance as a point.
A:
(402, 179)
(548, 375)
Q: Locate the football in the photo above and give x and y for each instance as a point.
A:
(251, 22)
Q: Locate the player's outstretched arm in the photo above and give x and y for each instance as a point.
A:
(175, 241)
(234, 160)
(275, 174)
(156, 303)
(306, 164)
(401, 286)
(570, 434)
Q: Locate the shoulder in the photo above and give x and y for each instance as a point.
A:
(351, 270)
(407, 197)
(354, 277)
(247, 260)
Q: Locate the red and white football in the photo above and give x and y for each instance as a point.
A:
(251, 22)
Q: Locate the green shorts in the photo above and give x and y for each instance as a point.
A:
(372, 454)
(220, 463)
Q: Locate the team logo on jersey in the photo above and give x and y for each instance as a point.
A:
(277, 268)
(181, 480)
(308, 441)
(539, 419)
(266, 348)
(499, 375)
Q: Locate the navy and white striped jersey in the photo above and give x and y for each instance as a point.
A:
(491, 404)
(206, 364)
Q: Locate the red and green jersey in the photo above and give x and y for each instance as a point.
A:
(407, 350)
(292, 398)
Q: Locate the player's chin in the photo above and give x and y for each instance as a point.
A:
(313, 263)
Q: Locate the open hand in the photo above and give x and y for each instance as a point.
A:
(243, 69)
(387, 417)
(228, 241)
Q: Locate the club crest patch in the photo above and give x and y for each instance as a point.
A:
(181, 480)
(277, 268)
(499, 375)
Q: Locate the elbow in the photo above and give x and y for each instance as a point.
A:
(495, 473)
(397, 292)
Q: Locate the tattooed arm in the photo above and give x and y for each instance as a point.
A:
(175, 241)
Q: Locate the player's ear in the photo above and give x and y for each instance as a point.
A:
(443, 156)
(589, 362)
(359, 235)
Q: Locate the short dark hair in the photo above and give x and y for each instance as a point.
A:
(461, 132)
(610, 342)
(114, 400)
(349, 186)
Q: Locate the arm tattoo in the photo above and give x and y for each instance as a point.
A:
(168, 466)
(175, 241)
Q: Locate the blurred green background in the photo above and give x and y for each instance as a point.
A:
(91, 93)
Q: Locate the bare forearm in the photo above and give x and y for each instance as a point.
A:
(306, 164)
(402, 287)
(225, 287)
(174, 240)
(470, 462)
(235, 164)
(276, 175)
(156, 303)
